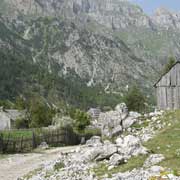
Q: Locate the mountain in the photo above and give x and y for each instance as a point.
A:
(108, 43)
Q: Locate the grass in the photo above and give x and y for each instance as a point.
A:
(132, 163)
(58, 166)
(2, 156)
(17, 133)
(167, 141)
(140, 126)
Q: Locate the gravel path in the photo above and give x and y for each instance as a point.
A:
(18, 165)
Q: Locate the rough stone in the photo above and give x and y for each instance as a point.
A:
(116, 159)
(153, 160)
(94, 141)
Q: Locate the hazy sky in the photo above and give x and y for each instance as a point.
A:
(149, 6)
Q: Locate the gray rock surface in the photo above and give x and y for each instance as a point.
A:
(153, 160)
(116, 160)
(130, 146)
(94, 141)
(112, 123)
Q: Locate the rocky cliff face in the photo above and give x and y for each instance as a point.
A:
(112, 42)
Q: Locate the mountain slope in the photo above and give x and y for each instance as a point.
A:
(111, 43)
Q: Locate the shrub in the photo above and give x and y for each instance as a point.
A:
(169, 65)
(81, 120)
(40, 114)
(21, 123)
(58, 166)
(135, 100)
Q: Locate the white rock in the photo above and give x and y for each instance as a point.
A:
(153, 160)
(116, 159)
(131, 146)
(128, 122)
(94, 141)
(107, 151)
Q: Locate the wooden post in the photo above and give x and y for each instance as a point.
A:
(1, 143)
(34, 145)
(21, 146)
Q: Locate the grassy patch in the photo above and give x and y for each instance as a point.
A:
(17, 133)
(134, 162)
(58, 166)
(140, 126)
(167, 142)
(2, 156)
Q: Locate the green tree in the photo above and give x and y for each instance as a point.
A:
(135, 100)
(40, 114)
(20, 103)
(169, 65)
(82, 119)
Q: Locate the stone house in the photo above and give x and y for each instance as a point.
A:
(168, 89)
(8, 118)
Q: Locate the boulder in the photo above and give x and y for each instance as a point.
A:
(122, 109)
(107, 151)
(111, 121)
(130, 146)
(128, 122)
(117, 131)
(116, 160)
(94, 141)
(153, 160)
(43, 146)
(90, 154)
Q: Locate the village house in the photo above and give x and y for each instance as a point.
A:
(8, 118)
(168, 89)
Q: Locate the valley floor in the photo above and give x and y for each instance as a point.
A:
(14, 166)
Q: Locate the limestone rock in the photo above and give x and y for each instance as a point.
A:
(130, 146)
(153, 160)
(94, 141)
(107, 151)
(116, 159)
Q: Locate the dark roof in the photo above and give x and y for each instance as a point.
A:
(166, 73)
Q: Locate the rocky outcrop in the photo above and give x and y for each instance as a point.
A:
(130, 146)
(166, 19)
(112, 123)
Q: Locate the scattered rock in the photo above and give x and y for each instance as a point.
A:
(94, 141)
(43, 146)
(116, 159)
(153, 160)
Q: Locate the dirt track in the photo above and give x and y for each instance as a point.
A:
(18, 165)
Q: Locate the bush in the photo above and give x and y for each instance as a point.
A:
(40, 114)
(135, 100)
(21, 123)
(169, 65)
(81, 119)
